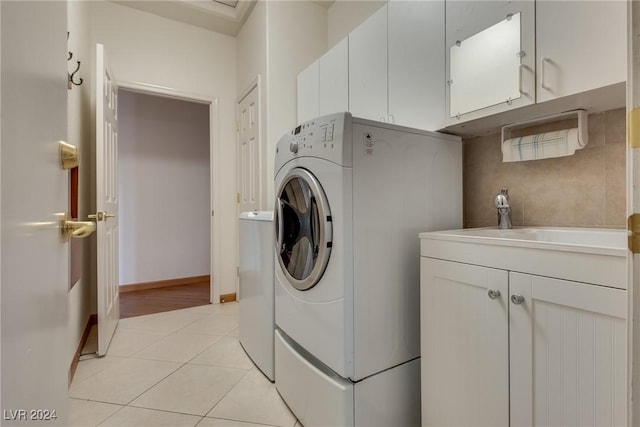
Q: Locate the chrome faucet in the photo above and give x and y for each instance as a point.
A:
(504, 209)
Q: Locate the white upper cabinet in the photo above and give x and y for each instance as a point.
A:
(308, 93)
(334, 79)
(502, 55)
(490, 57)
(416, 63)
(368, 68)
(390, 68)
(581, 45)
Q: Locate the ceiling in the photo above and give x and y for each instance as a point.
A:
(222, 16)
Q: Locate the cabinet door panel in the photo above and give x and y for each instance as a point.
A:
(568, 353)
(578, 56)
(464, 345)
(334, 79)
(416, 63)
(368, 68)
(308, 93)
(489, 71)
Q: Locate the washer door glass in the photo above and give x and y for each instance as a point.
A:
(303, 229)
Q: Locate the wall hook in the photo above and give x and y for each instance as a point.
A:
(72, 76)
(72, 81)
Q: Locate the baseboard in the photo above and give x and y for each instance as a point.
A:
(228, 297)
(92, 320)
(164, 283)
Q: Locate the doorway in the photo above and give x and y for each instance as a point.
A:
(165, 237)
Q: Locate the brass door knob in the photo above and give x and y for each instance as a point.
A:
(76, 229)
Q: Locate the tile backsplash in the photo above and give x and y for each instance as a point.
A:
(583, 190)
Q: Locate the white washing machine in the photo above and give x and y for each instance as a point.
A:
(256, 297)
(351, 197)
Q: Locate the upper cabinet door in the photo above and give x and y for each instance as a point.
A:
(581, 45)
(308, 93)
(368, 68)
(416, 63)
(334, 79)
(490, 57)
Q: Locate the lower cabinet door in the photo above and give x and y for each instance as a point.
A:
(464, 345)
(568, 363)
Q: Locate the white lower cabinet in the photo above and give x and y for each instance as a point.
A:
(501, 348)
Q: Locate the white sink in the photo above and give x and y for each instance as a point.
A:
(589, 255)
(585, 237)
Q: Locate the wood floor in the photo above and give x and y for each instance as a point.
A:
(149, 301)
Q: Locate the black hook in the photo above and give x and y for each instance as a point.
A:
(70, 53)
(71, 76)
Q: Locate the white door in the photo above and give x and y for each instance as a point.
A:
(633, 207)
(368, 68)
(106, 200)
(573, 58)
(308, 85)
(249, 166)
(568, 354)
(416, 81)
(35, 261)
(464, 344)
(334, 79)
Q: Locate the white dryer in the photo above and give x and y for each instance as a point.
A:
(351, 197)
(255, 297)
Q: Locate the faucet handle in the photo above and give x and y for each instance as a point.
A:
(502, 199)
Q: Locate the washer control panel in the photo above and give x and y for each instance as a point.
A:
(322, 137)
(318, 134)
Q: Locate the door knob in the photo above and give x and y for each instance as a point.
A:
(493, 293)
(517, 299)
(76, 229)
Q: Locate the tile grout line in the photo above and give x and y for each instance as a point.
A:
(180, 367)
(121, 406)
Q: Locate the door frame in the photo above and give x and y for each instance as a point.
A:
(214, 169)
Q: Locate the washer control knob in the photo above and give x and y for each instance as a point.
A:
(293, 147)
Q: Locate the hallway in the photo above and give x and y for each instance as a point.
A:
(178, 368)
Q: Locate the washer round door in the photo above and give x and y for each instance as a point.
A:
(303, 229)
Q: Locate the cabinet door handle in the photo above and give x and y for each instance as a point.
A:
(543, 81)
(522, 91)
(493, 293)
(517, 299)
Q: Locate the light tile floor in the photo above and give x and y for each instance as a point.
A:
(179, 368)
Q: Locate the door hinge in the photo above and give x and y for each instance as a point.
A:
(634, 128)
(238, 126)
(238, 271)
(212, 212)
(633, 229)
(238, 197)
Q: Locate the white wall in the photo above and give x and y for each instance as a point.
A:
(252, 65)
(164, 211)
(345, 15)
(79, 134)
(278, 40)
(146, 48)
(296, 36)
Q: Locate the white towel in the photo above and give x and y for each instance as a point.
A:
(541, 146)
